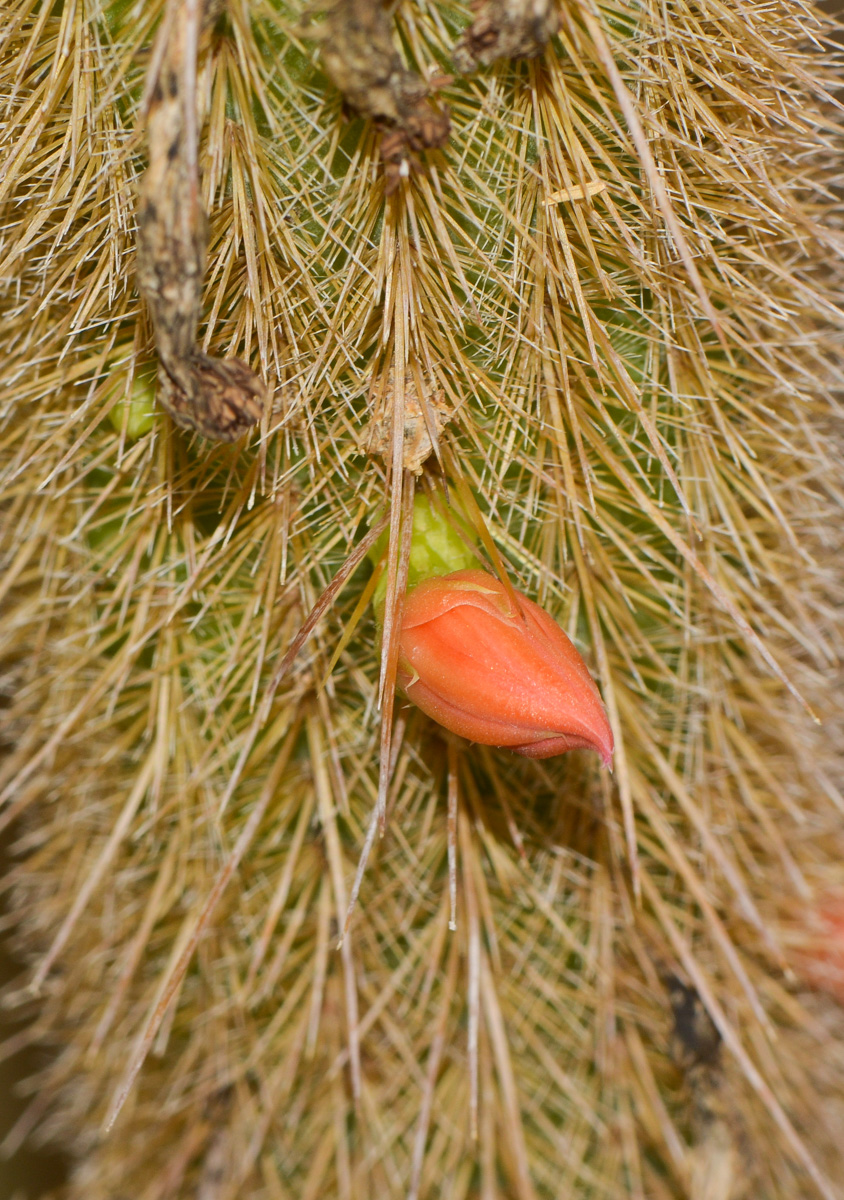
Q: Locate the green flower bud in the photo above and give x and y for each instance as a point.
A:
(436, 547)
(140, 402)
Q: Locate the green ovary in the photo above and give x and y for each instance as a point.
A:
(436, 547)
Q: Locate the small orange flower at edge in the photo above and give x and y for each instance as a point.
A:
(495, 674)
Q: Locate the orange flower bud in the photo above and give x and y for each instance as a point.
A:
(498, 675)
(816, 944)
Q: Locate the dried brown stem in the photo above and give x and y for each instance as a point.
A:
(506, 29)
(220, 399)
(361, 59)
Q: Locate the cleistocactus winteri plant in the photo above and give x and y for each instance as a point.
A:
(587, 301)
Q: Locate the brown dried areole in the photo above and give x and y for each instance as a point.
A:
(420, 420)
(695, 1040)
(361, 60)
(715, 1165)
(506, 29)
(219, 398)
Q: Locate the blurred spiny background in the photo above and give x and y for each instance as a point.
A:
(617, 279)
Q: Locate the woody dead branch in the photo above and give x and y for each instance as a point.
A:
(506, 29)
(219, 398)
(362, 61)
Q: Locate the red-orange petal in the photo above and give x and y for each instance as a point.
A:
(495, 675)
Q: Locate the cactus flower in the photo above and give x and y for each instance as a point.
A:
(498, 675)
(817, 944)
